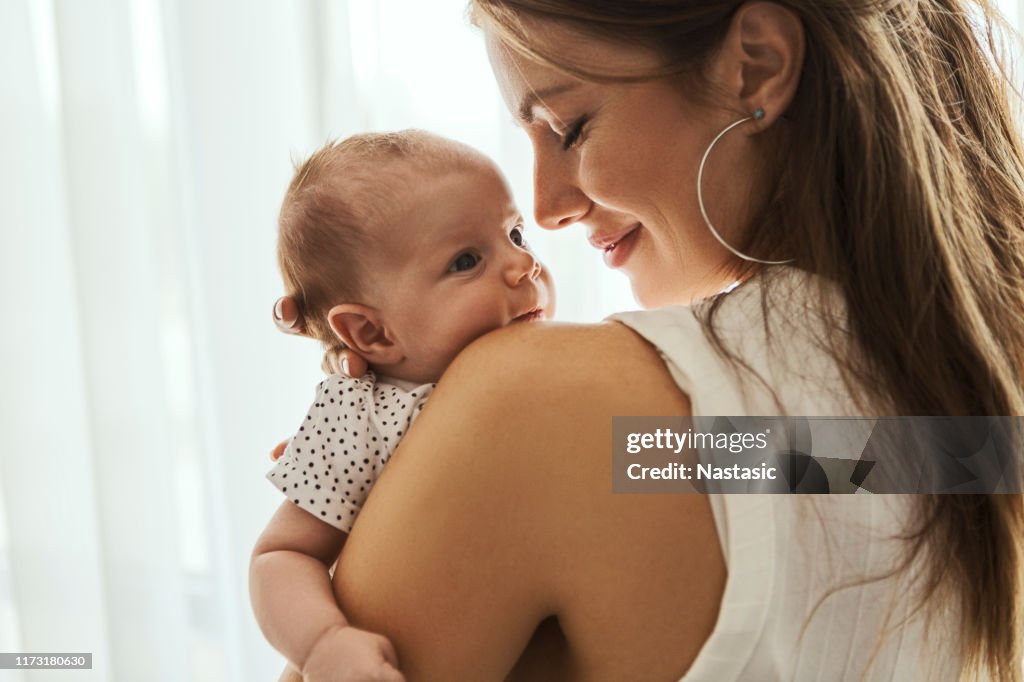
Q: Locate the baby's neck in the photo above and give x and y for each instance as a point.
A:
(403, 379)
(403, 384)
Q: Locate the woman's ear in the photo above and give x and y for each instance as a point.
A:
(362, 330)
(761, 58)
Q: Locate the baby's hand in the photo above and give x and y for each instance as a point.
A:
(287, 317)
(345, 654)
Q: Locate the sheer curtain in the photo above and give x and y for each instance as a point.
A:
(147, 144)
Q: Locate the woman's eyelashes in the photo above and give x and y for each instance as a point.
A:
(572, 137)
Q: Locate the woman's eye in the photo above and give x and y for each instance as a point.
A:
(465, 261)
(516, 235)
(570, 139)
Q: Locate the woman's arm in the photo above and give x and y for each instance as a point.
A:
(496, 512)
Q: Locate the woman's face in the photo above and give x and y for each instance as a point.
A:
(622, 160)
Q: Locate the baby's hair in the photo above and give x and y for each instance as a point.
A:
(336, 199)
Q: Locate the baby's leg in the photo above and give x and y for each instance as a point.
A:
(290, 674)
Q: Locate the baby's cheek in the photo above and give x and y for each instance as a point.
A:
(471, 330)
(549, 284)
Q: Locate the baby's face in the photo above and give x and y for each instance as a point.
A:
(455, 266)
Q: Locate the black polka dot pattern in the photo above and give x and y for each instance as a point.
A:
(344, 442)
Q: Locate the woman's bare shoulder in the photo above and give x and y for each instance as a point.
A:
(496, 512)
(606, 363)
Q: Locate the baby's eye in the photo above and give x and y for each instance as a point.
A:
(465, 261)
(516, 235)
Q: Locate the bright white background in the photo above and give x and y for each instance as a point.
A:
(145, 148)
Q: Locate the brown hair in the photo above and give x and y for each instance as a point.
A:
(909, 154)
(335, 200)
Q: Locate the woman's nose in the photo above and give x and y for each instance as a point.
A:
(557, 199)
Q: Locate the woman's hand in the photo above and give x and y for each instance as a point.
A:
(286, 316)
(344, 362)
(347, 654)
(338, 361)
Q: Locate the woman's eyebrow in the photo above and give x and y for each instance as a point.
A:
(535, 97)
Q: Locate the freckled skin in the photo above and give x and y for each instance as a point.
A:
(635, 160)
(432, 303)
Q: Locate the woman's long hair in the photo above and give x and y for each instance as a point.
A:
(909, 195)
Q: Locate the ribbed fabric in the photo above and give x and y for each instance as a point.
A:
(780, 618)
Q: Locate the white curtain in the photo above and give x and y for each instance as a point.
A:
(146, 146)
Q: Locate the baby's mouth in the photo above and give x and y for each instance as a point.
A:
(531, 316)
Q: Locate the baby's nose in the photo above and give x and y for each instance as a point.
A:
(524, 265)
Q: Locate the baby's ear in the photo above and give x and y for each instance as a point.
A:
(361, 329)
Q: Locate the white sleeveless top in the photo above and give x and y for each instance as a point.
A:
(784, 553)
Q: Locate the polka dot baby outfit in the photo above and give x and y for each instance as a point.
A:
(344, 442)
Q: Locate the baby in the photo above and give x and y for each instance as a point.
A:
(402, 248)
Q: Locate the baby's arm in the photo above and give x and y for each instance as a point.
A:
(292, 597)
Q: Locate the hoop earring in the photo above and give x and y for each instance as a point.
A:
(758, 115)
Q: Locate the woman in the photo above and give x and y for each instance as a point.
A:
(854, 165)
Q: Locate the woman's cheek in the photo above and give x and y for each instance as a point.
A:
(605, 179)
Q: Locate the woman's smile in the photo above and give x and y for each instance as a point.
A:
(617, 246)
(592, 166)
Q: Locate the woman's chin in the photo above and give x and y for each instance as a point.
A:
(648, 297)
